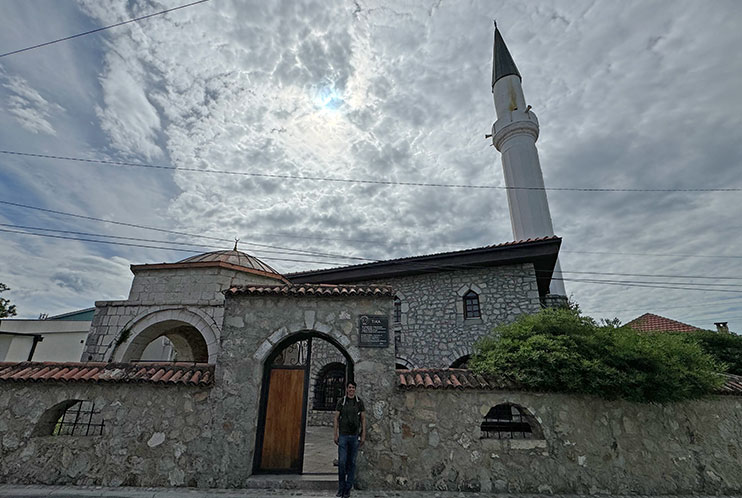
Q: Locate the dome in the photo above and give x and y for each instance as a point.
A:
(235, 258)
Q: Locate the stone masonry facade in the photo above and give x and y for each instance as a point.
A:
(433, 331)
(589, 445)
(194, 295)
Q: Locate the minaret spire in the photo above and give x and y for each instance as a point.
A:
(514, 134)
(502, 62)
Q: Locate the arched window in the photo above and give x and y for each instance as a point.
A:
(329, 387)
(471, 305)
(397, 310)
(508, 421)
(70, 418)
(462, 362)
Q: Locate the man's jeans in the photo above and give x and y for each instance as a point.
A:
(347, 451)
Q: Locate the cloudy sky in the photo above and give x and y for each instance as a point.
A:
(630, 95)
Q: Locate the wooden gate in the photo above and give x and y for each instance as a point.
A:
(283, 410)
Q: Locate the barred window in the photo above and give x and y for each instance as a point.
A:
(471, 305)
(397, 310)
(71, 418)
(329, 387)
(507, 421)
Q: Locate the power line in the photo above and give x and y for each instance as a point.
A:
(174, 232)
(357, 181)
(136, 19)
(658, 285)
(119, 237)
(270, 258)
(652, 254)
(644, 275)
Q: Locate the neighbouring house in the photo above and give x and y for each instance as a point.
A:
(56, 338)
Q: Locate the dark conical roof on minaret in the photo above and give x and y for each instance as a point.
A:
(502, 62)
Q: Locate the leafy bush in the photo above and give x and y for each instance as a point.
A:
(560, 350)
(724, 348)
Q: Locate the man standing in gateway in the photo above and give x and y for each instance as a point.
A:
(350, 421)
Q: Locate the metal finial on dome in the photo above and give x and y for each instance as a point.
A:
(235, 243)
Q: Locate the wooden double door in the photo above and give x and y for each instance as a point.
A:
(283, 409)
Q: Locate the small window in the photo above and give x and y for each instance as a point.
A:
(471, 305)
(329, 387)
(462, 362)
(506, 421)
(71, 418)
(397, 310)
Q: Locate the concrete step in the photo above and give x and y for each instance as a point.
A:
(308, 482)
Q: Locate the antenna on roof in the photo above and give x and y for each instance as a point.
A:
(235, 243)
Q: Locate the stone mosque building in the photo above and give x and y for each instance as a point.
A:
(260, 357)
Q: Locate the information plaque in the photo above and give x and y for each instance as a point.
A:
(374, 331)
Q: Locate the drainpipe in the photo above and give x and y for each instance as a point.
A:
(36, 339)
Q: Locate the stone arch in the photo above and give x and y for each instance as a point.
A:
(457, 355)
(518, 422)
(399, 360)
(193, 335)
(47, 421)
(283, 336)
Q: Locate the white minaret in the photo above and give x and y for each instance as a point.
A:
(514, 134)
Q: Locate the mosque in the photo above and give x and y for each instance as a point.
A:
(261, 357)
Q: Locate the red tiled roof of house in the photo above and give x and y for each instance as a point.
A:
(313, 290)
(189, 374)
(649, 322)
(459, 378)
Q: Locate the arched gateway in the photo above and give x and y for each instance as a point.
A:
(284, 395)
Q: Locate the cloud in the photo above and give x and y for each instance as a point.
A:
(30, 109)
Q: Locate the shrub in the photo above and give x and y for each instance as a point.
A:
(724, 348)
(560, 350)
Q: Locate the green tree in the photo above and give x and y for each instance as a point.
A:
(6, 309)
(560, 350)
(725, 348)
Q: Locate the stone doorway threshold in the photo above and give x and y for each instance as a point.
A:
(314, 482)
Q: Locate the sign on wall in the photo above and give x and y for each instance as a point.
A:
(374, 331)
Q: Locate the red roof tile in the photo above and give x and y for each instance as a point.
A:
(190, 374)
(459, 378)
(649, 322)
(313, 290)
(450, 378)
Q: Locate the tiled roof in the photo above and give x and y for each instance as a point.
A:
(649, 322)
(450, 378)
(190, 374)
(733, 385)
(432, 255)
(313, 290)
(458, 378)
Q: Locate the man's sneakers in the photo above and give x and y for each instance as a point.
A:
(339, 494)
(343, 494)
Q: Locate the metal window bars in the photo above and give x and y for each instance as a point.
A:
(80, 419)
(471, 305)
(329, 388)
(506, 421)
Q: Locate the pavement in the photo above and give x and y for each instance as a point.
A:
(32, 491)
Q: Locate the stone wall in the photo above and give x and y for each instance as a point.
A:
(323, 353)
(197, 292)
(589, 446)
(153, 436)
(433, 331)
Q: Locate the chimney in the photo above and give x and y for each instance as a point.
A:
(722, 327)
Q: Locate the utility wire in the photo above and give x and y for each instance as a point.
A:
(136, 19)
(366, 181)
(185, 234)
(652, 254)
(643, 275)
(653, 286)
(118, 237)
(270, 258)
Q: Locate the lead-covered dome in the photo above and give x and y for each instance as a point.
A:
(235, 258)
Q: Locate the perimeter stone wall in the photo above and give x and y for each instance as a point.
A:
(153, 436)
(197, 291)
(433, 331)
(589, 445)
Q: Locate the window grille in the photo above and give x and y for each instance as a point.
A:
(471, 305)
(397, 310)
(80, 419)
(329, 387)
(506, 421)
